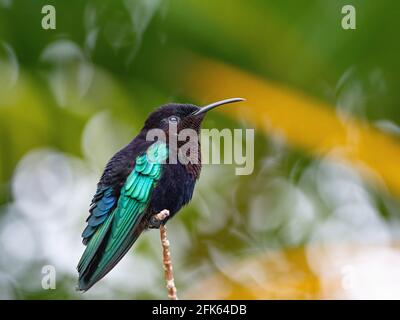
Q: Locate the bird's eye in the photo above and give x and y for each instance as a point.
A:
(173, 119)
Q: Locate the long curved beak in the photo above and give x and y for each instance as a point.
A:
(216, 104)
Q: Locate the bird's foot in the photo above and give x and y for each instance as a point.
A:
(158, 219)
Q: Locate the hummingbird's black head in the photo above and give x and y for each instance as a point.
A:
(183, 116)
(173, 114)
(172, 119)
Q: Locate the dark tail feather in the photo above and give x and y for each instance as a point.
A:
(92, 274)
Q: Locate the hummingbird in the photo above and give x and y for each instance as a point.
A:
(137, 183)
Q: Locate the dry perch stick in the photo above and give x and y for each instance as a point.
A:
(169, 276)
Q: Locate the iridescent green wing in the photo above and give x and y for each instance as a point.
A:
(117, 234)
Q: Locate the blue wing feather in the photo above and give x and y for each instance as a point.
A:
(102, 204)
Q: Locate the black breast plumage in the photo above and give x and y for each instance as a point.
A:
(174, 189)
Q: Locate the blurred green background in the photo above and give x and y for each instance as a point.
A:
(301, 226)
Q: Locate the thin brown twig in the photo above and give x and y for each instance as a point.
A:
(167, 263)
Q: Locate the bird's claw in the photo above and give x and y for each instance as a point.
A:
(154, 223)
(158, 219)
